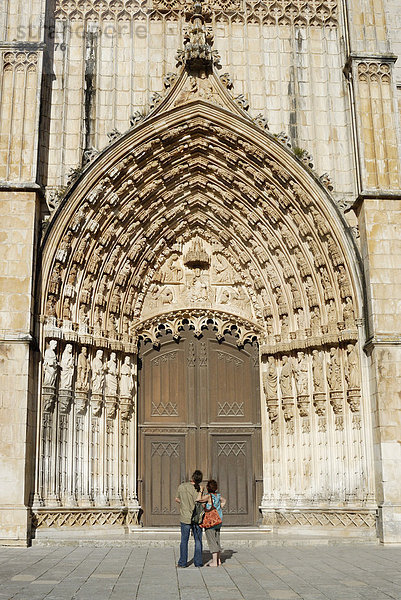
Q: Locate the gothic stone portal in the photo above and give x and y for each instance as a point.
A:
(199, 407)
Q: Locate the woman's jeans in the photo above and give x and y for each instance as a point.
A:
(185, 531)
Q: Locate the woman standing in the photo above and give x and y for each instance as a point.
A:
(213, 499)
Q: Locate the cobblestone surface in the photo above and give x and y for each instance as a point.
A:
(338, 572)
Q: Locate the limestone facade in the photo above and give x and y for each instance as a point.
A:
(230, 165)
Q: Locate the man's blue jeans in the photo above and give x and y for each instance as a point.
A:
(185, 531)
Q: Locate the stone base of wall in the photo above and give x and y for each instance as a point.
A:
(389, 524)
(358, 523)
(15, 526)
(60, 521)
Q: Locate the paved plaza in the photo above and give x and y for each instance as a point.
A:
(338, 572)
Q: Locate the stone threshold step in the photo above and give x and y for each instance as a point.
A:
(166, 536)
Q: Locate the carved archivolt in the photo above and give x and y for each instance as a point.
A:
(270, 260)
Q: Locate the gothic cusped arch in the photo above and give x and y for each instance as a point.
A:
(199, 172)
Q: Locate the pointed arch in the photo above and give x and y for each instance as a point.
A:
(198, 169)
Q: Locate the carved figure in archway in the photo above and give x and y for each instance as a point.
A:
(301, 374)
(334, 370)
(224, 297)
(352, 372)
(315, 320)
(83, 370)
(332, 312)
(286, 378)
(348, 310)
(270, 379)
(50, 365)
(199, 291)
(98, 373)
(166, 295)
(111, 375)
(301, 318)
(221, 270)
(317, 372)
(172, 272)
(67, 368)
(127, 384)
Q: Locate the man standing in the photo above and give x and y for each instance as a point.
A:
(187, 494)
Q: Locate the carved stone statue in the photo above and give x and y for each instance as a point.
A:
(348, 311)
(127, 384)
(315, 321)
(50, 365)
(317, 372)
(222, 272)
(98, 373)
(67, 368)
(270, 379)
(83, 370)
(173, 272)
(334, 370)
(111, 375)
(286, 378)
(301, 318)
(352, 372)
(301, 374)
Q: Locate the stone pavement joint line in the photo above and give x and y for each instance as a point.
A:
(349, 572)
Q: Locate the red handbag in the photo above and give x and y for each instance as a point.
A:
(211, 518)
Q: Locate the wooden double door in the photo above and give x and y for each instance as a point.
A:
(199, 408)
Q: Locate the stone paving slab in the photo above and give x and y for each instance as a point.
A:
(349, 572)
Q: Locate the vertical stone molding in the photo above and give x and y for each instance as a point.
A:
(376, 102)
(20, 86)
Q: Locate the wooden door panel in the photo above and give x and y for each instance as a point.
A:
(231, 393)
(165, 470)
(232, 467)
(164, 387)
(190, 396)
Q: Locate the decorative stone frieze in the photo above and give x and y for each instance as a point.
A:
(374, 71)
(20, 61)
(321, 518)
(279, 12)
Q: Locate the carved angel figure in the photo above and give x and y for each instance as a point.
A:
(127, 384)
(111, 375)
(83, 370)
(98, 373)
(50, 365)
(67, 368)
(286, 378)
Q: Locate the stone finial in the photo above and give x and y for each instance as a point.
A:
(198, 41)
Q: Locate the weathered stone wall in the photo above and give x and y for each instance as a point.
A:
(289, 68)
(17, 373)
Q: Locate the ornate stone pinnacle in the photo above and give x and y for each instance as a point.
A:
(197, 257)
(198, 41)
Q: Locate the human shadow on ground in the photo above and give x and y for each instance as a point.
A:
(206, 556)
